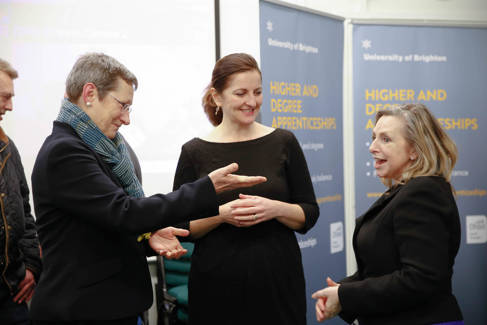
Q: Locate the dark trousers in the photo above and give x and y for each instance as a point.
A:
(12, 313)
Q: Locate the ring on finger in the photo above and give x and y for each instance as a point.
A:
(255, 216)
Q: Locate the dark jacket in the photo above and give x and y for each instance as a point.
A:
(94, 267)
(19, 244)
(405, 246)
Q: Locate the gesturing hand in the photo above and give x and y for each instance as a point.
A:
(224, 180)
(164, 242)
(328, 303)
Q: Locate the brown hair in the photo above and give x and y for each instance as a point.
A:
(437, 153)
(7, 68)
(223, 71)
(100, 69)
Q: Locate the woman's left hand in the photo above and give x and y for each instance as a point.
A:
(332, 306)
(164, 242)
(250, 210)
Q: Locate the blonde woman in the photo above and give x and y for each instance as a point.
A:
(405, 244)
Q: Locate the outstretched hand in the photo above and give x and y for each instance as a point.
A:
(224, 180)
(328, 303)
(164, 242)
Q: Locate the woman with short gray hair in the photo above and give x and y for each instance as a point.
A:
(95, 224)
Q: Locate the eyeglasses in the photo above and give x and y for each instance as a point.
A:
(125, 107)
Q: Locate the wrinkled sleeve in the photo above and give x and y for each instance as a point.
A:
(29, 243)
(79, 186)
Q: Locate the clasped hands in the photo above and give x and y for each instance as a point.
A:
(327, 303)
(247, 210)
(165, 242)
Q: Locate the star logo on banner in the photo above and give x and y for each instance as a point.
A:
(366, 44)
(269, 26)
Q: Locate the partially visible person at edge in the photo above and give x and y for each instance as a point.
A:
(405, 244)
(246, 266)
(91, 209)
(20, 261)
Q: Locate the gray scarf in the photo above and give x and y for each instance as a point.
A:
(113, 152)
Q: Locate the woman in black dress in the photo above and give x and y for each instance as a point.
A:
(246, 267)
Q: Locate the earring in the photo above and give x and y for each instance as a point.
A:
(88, 104)
(217, 110)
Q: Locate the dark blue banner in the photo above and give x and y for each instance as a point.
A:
(446, 69)
(301, 61)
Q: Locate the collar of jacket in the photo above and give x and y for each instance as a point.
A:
(382, 201)
(3, 138)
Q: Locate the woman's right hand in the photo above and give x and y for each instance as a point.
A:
(201, 227)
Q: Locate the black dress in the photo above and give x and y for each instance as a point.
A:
(250, 275)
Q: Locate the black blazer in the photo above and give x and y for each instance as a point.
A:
(405, 246)
(94, 268)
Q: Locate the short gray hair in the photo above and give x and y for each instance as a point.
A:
(7, 68)
(100, 69)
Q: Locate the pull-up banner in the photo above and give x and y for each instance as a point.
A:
(301, 61)
(444, 68)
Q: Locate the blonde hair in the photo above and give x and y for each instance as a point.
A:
(436, 151)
